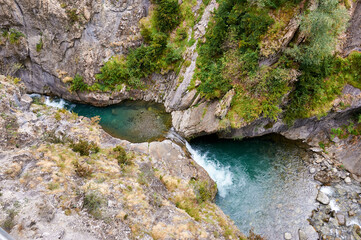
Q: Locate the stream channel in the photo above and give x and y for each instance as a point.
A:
(263, 183)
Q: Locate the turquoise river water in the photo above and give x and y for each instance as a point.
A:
(263, 184)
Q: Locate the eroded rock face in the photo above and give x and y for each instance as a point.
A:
(76, 37)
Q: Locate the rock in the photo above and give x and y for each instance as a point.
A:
(302, 235)
(322, 198)
(348, 180)
(316, 149)
(356, 232)
(197, 120)
(312, 170)
(67, 79)
(351, 213)
(341, 219)
(323, 177)
(308, 233)
(224, 104)
(288, 236)
(25, 101)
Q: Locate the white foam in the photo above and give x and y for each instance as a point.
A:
(352, 221)
(327, 190)
(334, 206)
(58, 103)
(220, 174)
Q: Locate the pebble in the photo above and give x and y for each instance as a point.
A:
(312, 170)
(348, 180)
(288, 236)
(340, 219)
(322, 198)
(302, 235)
(351, 213)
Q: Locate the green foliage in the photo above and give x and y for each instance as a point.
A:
(84, 147)
(9, 223)
(121, 156)
(12, 35)
(78, 84)
(167, 15)
(202, 192)
(72, 15)
(321, 27)
(232, 37)
(274, 4)
(39, 45)
(260, 94)
(92, 203)
(317, 86)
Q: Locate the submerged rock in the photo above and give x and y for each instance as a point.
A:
(288, 236)
(322, 198)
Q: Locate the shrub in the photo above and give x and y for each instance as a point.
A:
(315, 87)
(85, 147)
(232, 39)
(82, 169)
(167, 15)
(78, 84)
(92, 203)
(39, 45)
(12, 35)
(9, 223)
(121, 156)
(157, 54)
(72, 15)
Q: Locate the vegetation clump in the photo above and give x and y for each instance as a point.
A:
(93, 202)
(121, 156)
(9, 223)
(12, 35)
(82, 169)
(78, 84)
(84, 147)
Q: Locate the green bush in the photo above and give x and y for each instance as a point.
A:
(39, 45)
(156, 54)
(236, 30)
(121, 156)
(167, 15)
(316, 86)
(78, 84)
(92, 203)
(9, 223)
(85, 147)
(12, 35)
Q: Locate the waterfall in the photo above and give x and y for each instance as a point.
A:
(54, 102)
(222, 175)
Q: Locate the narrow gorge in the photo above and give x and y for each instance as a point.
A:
(193, 119)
